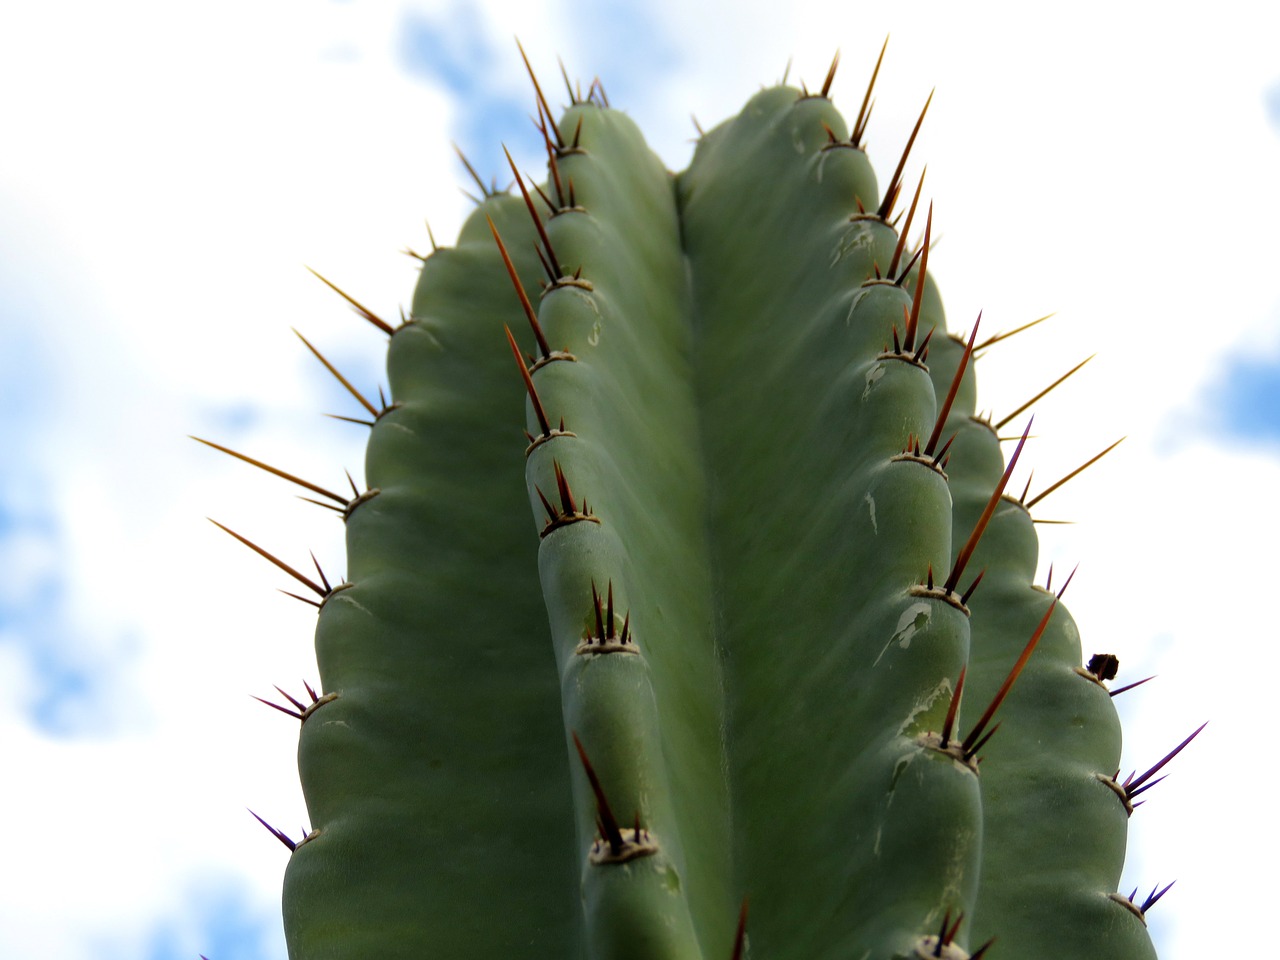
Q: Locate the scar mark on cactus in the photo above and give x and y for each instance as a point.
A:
(871, 510)
(860, 235)
(872, 376)
(613, 846)
(606, 638)
(914, 619)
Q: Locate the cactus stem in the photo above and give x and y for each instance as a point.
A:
(1088, 463)
(740, 936)
(962, 558)
(314, 488)
(524, 298)
(831, 75)
(279, 563)
(864, 112)
(1045, 391)
(357, 306)
(1136, 683)
(537, 89)
(945, 410)
(343, 380)
(901, 245)
(1132, 787)
(895, 182)
(971, 743)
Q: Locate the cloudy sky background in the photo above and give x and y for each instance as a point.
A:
(168, 168)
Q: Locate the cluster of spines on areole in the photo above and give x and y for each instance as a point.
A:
(932, 455)
(606, 638)
(942, 945)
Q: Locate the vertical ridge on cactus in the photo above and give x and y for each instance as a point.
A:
(587, 701)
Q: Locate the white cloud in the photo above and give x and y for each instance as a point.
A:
(179, 165)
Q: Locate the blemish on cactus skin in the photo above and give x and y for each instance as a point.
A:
(856, 238)
(871, 509)
(873, 375)
(914, 619)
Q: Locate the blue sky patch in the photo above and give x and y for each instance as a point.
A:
(229, 926)
(1246, 404)
(455, 51)
(1272, 100)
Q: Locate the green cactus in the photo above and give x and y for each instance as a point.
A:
(726, 660)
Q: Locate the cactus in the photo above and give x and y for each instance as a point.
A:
(764, 624)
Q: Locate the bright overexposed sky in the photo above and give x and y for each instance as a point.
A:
(166, 171)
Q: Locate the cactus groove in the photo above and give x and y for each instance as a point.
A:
(746, 613)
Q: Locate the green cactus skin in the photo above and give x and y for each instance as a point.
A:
(718, 663)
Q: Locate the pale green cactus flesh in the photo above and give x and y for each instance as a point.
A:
(709, 646)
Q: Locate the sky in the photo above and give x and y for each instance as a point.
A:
(169, 169)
